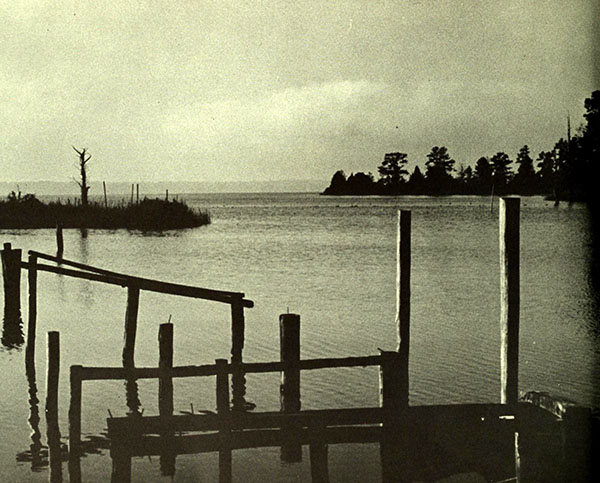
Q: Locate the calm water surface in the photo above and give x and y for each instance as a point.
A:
(332, 261)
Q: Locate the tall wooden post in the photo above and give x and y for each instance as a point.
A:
(32, 303)
(319, 468)
(75, 424)
(289, 344)
(394, 439)
(131, 314)
(53, 431)
(225, 456)
(509, 299)
(403, 299)
(165, 397)
(238, 379)
(60, 245)
(509, 312)
(11, 274)
(137, 193)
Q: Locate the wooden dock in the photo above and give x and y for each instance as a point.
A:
(527, 437)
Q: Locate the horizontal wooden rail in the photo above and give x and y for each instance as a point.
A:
(205, 443)
(109, 373)
(149, 285)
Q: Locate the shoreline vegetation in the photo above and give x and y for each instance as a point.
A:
(151, 214)
(563, 173)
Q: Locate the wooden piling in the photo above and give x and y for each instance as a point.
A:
(165, 397)
(32, 303)
(403, 259)
(509, 299)
(289, 343)
(131, 314)
(223, 411)
(131, 193)
(75, 424)
(59, 239)
(167, 195)
(137, 193)
(238, 379)
(319, 468)
(11, 274)
(394, 440)
(105, 198)
(53, 431)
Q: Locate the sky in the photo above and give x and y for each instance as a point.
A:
(260, 91)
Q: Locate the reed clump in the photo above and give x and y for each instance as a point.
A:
(151, 214)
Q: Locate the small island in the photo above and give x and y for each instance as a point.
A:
(563, 173)
(19, 211)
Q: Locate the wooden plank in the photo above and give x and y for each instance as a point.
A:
(143, 283)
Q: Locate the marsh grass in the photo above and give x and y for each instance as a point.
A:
(149, 214)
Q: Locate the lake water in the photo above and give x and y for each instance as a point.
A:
(331, 260)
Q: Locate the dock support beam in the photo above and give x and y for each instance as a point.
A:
(165, 397)
(289, 342)
(75, 425)
(403, 300)
(11, 275)
(53, 431)
(509, 299)
(238, 379)
(131, 315)
(223, 411)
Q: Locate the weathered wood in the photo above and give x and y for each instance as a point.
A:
(121, 464)
(509, 299)
(60, 244)
(11, 274)
(75, 424)
(32, 310)
(53, 431)
(224, 421)
(289, 344)
(105, 198)
(319, 469)
(165, 397)
(131, 315)
(149, 285)
(165, 364)
(403, 299)
(394, 406)
(238, 380)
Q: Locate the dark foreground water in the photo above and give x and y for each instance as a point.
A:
(332, 261)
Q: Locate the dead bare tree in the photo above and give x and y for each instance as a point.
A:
(84, 157)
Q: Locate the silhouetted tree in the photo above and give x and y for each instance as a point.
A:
(546, 164)
(416, 182)
(525, 181)
(83, 184)
(360, 184)
(337, 185)
(464, 180)
(501, 171)
(482, 179)
(439, 168)
(392, 172)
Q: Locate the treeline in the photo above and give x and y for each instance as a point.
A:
(564, 172)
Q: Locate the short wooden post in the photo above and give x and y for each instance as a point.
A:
(60, 245)
(165, 397)
(53, 431)
(394, 439)
(403, 299)
(319, 468)
(289, 343)
(223, 410)
(238, 379)
(131, 314)
(11, 274)
(509, 299)
(105, 198)
(75, 424)
(32, 302)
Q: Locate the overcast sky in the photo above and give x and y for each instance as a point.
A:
(217, 90)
